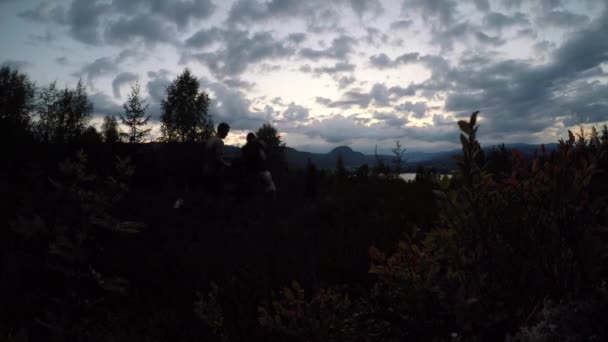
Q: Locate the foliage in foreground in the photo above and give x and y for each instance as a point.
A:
(501, 249)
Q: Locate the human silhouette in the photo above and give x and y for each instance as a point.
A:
(255, 164)
(215, 164)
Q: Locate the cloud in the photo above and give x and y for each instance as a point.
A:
(391, 119)
(341, 47)
(204, 38)
(337, 68)
(296, 112)
(179, 12)
(241, 49)
(401, 24)
(232, 105)
(45, 12)
(146, 29)
(157, 85)
(489, 40)
(16, 64)
(103, 104)
(418, 109)
(122, 79)
(441, 12)
(482, 5)
(84, 19)
(63, 60)
(363, 6)
(500, 21)
(382, 61)
(563, 19)
(99, 67)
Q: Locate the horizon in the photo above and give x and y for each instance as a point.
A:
(322, 75)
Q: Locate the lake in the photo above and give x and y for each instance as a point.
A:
(410, 177)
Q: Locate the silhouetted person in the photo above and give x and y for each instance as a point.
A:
(311, 179)
(255, 164)
(215, 164)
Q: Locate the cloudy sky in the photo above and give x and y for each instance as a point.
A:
(333, 72)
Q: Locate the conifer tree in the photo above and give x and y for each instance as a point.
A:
(134, 116)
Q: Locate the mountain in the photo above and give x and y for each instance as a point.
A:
(442, 161)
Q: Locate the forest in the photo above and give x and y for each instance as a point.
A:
(510, 248)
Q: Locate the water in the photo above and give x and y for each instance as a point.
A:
(410, 177)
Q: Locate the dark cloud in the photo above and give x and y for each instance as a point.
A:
(45, 12)
(239, 51)
(563, 19)
(320, 15)
(144, 28)
(441, 12)
(382, 61)
(238, 83)
(84, 19)
(482, 5)
(322, 100)
(417, 109)
(399, 92)
(524, 98)
(296, 112)
(337, 68)
(157, 85)
(363, 6)
(63, 60)
(391, 119)
(489, 40)
(500, 21)
(99, 67)
(379, 94)
(446, 36)
(122, 79)
(402, 24)
(204, 38)
(232, 105)
(103, 105)
(179, 12)
(341, 47)
(375, 37)
(346, 81)
(297, 38)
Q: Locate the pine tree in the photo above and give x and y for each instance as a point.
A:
(135, 117)
(398, 159)
(185, 116)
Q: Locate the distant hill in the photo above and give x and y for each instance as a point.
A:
(441, 161)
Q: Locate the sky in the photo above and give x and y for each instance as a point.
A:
(362, 73)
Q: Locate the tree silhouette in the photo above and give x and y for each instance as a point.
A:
(274, 146)
(135, 117)
(109, 130)
(17, 96)
(398, 157)
(185, 116)
(63, 114)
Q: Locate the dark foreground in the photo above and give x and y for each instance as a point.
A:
(509, 248)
